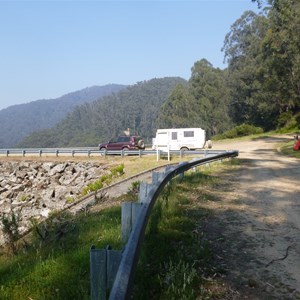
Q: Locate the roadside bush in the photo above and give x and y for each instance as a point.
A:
(239, 131)
(10, 224)
(284, 119)
(104, 180)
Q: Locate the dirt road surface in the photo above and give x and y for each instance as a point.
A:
(255, 227)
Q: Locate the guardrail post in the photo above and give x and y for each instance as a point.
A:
(23, 153)
(89, 153)
(157, 154)
(7, 153)
(40, 153)
(181, 175)
(104, 264)
(140, 153)
(168, 168)
(56, 152)
(130, 211)
(73, 153)
(181, 153)
(105, 153)
(156, 176)
(144, 188)
(194, 168)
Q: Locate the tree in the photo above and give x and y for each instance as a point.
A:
(208, 87)
(202, 103)
(281, 52)
(247, 71)
(178, 110)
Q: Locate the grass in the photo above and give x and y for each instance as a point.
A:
(287, 149)
(174, 253)
(55, 263)
(58, 267)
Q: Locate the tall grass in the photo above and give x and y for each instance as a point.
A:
(173, 252)
(54, 263)
(58, 266)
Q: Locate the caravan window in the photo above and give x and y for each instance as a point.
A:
(174, 135)
(188, 133)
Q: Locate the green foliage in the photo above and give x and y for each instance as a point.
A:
(135, 107)
(133, 192)
(56, 264)
(178, 280)
(105, 179)
(19, 121)
(287, 149)
(172, 255)
(10, 228)
(201, 103)
(239, 131)
(118, 170)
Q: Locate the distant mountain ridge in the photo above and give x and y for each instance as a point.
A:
(136, 107)
(21, 120)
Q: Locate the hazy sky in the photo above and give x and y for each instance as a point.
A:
(50, 48)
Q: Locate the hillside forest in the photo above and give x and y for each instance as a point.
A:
(259, 87)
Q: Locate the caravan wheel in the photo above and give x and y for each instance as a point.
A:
(209, 144)
(184, 149)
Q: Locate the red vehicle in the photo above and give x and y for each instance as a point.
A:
(297, 143)
(124, 143)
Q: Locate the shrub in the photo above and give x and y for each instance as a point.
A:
(10, 228)
(104, 179)
(239, 131)
(118, 170)
(284, 119)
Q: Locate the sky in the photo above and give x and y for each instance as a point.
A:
(51, 48)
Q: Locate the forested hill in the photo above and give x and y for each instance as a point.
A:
(135, 107)
(18, 121)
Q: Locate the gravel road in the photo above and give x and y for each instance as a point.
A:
(255, 228)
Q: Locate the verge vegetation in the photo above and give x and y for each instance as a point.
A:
(54, 262)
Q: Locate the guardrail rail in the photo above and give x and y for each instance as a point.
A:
(119, 268)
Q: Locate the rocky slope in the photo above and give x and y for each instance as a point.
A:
(34, 189)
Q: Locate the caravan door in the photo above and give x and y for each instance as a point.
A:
(173, 140)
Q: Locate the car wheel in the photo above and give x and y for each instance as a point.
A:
(141, 144)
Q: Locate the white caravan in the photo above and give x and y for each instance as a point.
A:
(180, 139)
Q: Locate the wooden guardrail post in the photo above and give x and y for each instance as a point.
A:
(104, 264)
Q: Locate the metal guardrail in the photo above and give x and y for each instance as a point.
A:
(96, 152)
(123, 283)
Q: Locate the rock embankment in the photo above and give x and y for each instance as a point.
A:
(34, 189)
